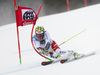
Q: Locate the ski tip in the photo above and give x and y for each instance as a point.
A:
(62, 61)
(46, 63)
(43, 63)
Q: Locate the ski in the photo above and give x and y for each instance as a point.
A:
(65, 60)
(46, 63)
(50, 62)
(85, 55)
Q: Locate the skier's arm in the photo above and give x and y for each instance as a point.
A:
(48, 40)
(47, 36)
(47, 46)
(38, 47)
(36, 42)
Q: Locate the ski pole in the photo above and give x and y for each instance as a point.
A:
(68, 40)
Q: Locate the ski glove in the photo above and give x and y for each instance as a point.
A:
(42, 51)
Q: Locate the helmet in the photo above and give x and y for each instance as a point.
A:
(39, 28)
(39, 31)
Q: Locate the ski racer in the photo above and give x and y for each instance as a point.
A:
(46, 46)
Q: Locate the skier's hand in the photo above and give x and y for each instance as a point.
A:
(42, 51)
(40, 48)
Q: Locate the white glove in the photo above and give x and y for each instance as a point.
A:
(42, 51)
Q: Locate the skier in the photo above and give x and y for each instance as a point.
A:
(46, 46)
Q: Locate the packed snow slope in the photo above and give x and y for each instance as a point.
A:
(61, 27)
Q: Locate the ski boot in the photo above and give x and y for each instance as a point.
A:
(76, 55)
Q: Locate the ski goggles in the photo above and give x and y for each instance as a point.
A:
(39, 32)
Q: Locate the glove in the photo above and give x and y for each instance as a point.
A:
(42, 51)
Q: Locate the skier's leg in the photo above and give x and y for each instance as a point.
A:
(54, 45)
(65, 53)
(73, 55)
(68, 54)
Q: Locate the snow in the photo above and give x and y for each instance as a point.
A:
(61, 27)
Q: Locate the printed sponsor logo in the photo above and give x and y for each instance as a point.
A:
(27, 23)
(28, 15)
